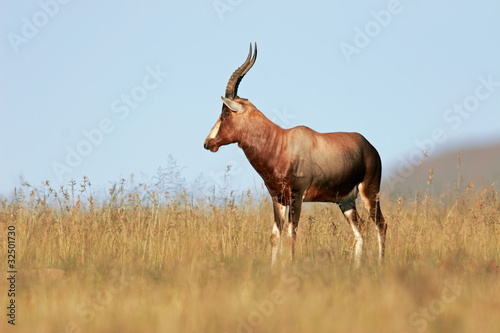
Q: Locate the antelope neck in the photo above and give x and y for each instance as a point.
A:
(262, 142)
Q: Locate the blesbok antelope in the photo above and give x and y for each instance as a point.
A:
(301, 165)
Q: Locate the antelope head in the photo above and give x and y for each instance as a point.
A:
(234, 115)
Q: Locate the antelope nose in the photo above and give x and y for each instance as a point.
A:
(205, 145)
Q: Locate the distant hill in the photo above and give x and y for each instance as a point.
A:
(479, 165)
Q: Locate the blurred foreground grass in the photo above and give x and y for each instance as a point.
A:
(144, 263)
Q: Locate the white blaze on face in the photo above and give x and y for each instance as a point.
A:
(214, 131)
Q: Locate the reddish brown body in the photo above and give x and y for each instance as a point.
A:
(301, 165)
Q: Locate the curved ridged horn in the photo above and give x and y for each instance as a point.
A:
(234, 81)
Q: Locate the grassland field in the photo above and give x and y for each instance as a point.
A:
(143, 262)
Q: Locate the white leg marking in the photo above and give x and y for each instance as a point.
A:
(359, 239)
(290, 238)
(290, 230)
(276, 234)
(359, 246)
(276, 243)
(379, 246)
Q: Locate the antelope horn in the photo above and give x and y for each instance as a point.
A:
(234, 81)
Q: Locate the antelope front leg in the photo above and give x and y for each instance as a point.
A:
(279, 219)
(294, 216)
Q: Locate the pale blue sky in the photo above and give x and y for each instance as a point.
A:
(67, 69)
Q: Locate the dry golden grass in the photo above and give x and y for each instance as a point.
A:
(135, 263)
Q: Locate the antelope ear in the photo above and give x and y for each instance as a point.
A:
(233, 106)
